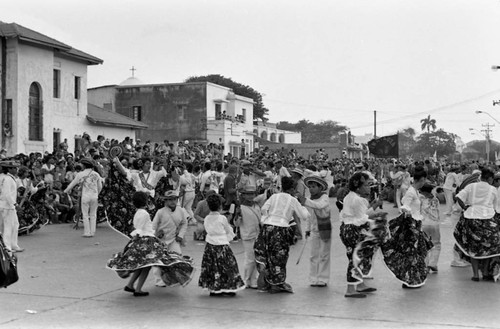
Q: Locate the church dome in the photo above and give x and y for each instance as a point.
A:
(132, 81)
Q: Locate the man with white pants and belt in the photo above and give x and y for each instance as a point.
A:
(92, 186)
(8, 205)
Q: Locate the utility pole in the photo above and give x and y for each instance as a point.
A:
(487, 131)
(374, 124)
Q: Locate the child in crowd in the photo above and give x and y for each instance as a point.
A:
(430, 224)
(143, 227)
(200, 213)
(319, 228)
(248, 221)
(219, 269)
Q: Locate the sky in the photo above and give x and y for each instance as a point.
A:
(338, 60)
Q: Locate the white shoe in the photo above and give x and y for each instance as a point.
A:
(455, 263)
(161, 284)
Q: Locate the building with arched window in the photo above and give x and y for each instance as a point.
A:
(269, 133)
(43, 94)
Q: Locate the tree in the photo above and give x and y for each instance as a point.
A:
(322, 132)
(439, 141)
(428, 123)
(259, 110)
(406, 141)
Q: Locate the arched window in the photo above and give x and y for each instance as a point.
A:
(256, 132)
(281, 138)
(273, 137)
(35, 113)
(263, 135)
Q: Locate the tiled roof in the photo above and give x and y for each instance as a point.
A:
(13, 30)
(100, 116)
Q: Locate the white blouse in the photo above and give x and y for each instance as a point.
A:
(280, 208)
(355, 210)
(411, 202)
(482, 198)
(142, 224)
(219, 232)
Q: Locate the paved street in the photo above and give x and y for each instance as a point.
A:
(64, 284)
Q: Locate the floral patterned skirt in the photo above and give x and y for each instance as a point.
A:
(219, 270)
(372, 236)
(405, 251)
(116, 198)
(271, 252)
(351, 235)
(478, 238)
(28, 217)
(146, 251)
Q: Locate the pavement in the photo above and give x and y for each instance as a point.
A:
(64, 284)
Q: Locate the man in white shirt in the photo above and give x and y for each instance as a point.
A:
(147, 179)
(91, 186)
(8, 205)
(170, 226)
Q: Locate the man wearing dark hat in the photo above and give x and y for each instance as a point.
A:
(91, 186)
(170, 225)
(8, 205)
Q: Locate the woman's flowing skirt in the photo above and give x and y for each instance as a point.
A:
(478, 238)
(219, 270)
(405, 251)
(146, 251)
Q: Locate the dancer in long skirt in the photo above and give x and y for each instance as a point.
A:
(355, 216)
(477, 233)
(219, 269)
(145, 250)
(406, 251)
(276, 237)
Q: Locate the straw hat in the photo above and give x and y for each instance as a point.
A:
(318, 180)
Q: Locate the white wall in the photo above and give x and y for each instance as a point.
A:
(32, 64)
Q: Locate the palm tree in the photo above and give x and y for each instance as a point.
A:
(428, 123)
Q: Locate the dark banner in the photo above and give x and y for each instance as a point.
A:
(386, 146)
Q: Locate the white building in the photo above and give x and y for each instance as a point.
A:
(43, 92)
(268, 131)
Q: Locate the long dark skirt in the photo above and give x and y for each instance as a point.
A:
(271, 252)
(116, 198)
(219, 270)
(478, 238)
(405, 251)
(372, 237)
(351, 235)
(27, 216)
(146, 251)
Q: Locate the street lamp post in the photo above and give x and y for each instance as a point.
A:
(486, 134)
(484, 112)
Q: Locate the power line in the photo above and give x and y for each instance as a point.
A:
(437, 109)
(396, 113)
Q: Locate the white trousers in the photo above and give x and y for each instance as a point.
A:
(10, 228)
(89, 214)
(187, 204)
(448, 195)
(319, 270)
(250, 273)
